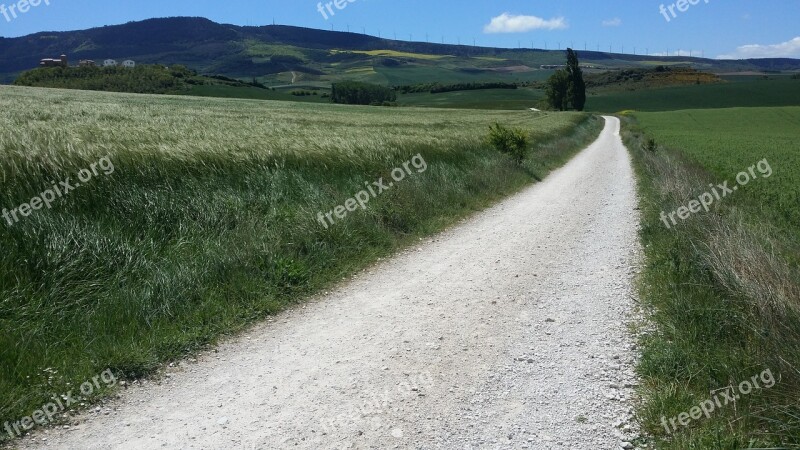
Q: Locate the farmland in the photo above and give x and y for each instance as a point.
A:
(722, 287)
(208, 221)
(728, 141)
(732, 92)
(508, 99)
(355, 224)
(737, 92)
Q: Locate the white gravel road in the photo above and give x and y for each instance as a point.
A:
(508, 331)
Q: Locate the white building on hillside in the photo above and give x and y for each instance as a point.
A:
(109, 63)
(128, 63)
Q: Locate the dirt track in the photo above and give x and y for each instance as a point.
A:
(507, 331)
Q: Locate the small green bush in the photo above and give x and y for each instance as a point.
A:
(513, 142)
(649, 145)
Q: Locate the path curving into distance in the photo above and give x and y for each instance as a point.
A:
(508, 331)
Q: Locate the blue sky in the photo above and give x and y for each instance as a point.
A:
(713, 28)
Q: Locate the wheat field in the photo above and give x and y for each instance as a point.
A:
(207, 221)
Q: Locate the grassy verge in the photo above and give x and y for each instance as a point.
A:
(208, 220)
(722, 288)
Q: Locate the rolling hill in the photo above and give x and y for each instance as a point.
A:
(282, 55)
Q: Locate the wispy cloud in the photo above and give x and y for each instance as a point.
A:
(788, 49)
(615, 22)
(506, 23)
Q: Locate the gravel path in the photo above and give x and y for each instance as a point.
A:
(508, 331)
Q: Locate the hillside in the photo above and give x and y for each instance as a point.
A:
(279, 55)
(661, 76)
(157, 79)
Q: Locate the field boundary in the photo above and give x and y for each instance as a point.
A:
(716, 291)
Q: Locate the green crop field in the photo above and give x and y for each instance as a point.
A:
(222, 91)
(413, 74)
(729, 141)
(750, 92)
(509, 99)
(722, 287)
(203, 217)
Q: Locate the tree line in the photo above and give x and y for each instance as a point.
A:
(143, 79)
(358, 93)
(438, 88)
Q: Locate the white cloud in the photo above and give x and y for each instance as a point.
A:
(789, 49)
(506, 23)
(615, 22)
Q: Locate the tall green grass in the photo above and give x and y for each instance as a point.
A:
(722, 289)
(208, 222)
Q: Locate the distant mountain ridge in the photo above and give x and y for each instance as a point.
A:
(242, 51)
